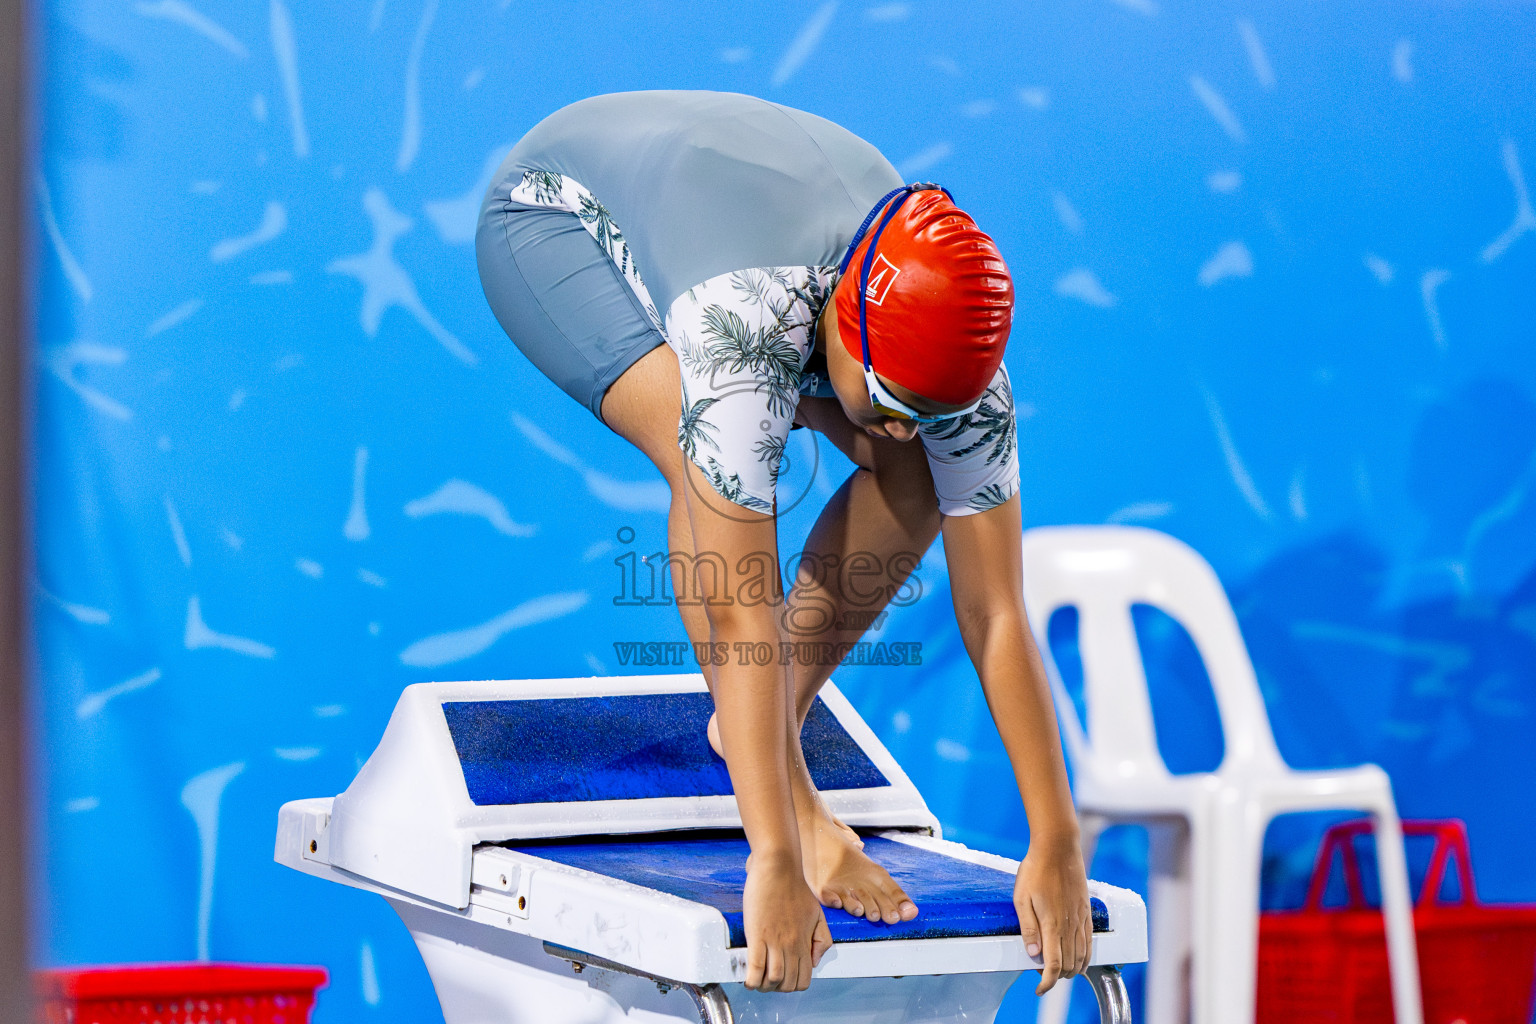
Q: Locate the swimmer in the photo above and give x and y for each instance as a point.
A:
(706, 272)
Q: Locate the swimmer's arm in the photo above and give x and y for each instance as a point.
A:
(786, 931)
(983, 551)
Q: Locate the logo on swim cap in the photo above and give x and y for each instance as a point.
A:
(881, 276)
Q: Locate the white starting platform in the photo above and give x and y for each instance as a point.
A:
(568, 851)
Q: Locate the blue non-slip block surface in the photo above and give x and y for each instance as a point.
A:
(954, 897)
(630, 747)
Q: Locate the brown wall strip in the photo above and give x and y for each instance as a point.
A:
(14, 136)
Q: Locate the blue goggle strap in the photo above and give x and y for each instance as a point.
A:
(869, 261)
(905, 191)
(858, 236)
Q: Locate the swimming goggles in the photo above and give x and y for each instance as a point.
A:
(885, 403)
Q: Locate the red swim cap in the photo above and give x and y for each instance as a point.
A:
(939, 301)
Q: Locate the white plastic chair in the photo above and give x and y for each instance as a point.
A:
(1206, 830)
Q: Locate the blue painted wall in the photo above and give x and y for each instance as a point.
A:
(1275, 269)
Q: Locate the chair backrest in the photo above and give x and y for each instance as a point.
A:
(1103, 571)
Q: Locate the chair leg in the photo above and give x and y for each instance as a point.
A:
(1170, 913)
(1397, 908)
(1090, 827)
(1054, 1004)
(1227, 942)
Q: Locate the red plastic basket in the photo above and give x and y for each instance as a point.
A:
(1477, 962)
(179, 994)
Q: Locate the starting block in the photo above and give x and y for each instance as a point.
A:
(568, 851)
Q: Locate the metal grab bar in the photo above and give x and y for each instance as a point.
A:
(1109, 989)
(714, 1008)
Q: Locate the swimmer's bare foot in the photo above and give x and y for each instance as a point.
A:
(843, 877)
(848, 834)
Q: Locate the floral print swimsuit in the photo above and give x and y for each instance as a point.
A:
(745, 343)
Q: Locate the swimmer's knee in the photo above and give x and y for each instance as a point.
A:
(712, 732)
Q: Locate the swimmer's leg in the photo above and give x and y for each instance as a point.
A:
(887, 510)
(642, 406)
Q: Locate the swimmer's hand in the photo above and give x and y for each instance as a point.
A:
(786, 930)
(1051, 896)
